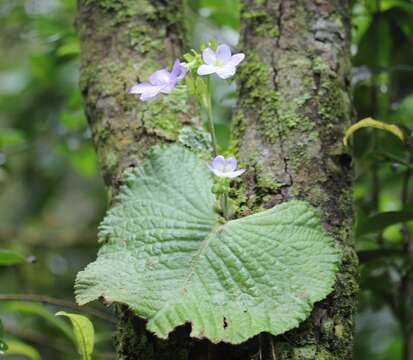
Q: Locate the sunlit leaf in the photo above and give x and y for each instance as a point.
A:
(71, 47)
(10, 137)
(9, 257)
(370, 122)
(17, 347)
(173, 260)
(84, 333)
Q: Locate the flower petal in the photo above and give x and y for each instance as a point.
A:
(148, 97)
(216, 172)
(209, 56)
(223, 53)
(206, 69)
(150, 92)
(139, 88)
(183, 71)
(178, 70)
(236, 59)
(231, 164)
(218, 162)
(166, 89)
(226, 71)
(160, 77)
(234, 174)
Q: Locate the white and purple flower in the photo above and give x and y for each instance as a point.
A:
(221, 62)
(225, 167)
(160, 82)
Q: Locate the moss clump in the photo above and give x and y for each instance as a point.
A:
(305, 352)
(238, 195)
(261, 97)
(122, 10)
(166, 116)
(197, 140)
(262, 23)
(266, 184)
(141, 39)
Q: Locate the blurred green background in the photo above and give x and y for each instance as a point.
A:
(52, 197)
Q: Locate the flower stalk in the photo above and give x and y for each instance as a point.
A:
(221, 62)
(208, 108)
(224, 205)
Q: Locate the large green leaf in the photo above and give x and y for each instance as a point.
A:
(173, 260)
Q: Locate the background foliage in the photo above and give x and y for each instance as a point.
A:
(51, 196)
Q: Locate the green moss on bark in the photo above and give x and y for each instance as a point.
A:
(122, 42)
(294, 105)
(293, 108)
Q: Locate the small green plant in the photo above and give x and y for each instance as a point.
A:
(173, 253)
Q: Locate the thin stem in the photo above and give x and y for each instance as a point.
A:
(57, 302)
(397, 160)
(224, 205)
(208, 106)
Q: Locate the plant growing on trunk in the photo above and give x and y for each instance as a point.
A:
(292, 111)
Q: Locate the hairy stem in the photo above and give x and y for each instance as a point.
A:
(208, 108)
(224, 205)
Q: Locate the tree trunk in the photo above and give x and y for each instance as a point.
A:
(119, 40)
(294, 106)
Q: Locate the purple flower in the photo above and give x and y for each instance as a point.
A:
(225, 167)
(161, 81)
(220, 62)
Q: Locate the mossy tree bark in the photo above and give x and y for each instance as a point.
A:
(119, 40)
(293, 108)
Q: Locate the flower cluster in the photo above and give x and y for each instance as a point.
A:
(220, 62)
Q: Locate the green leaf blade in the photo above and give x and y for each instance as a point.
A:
(30, 308)
(379, 222)
(370, 122)
(9, 257)
(248, 283)
(17, 347)
(168, 256)
(84, 333)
